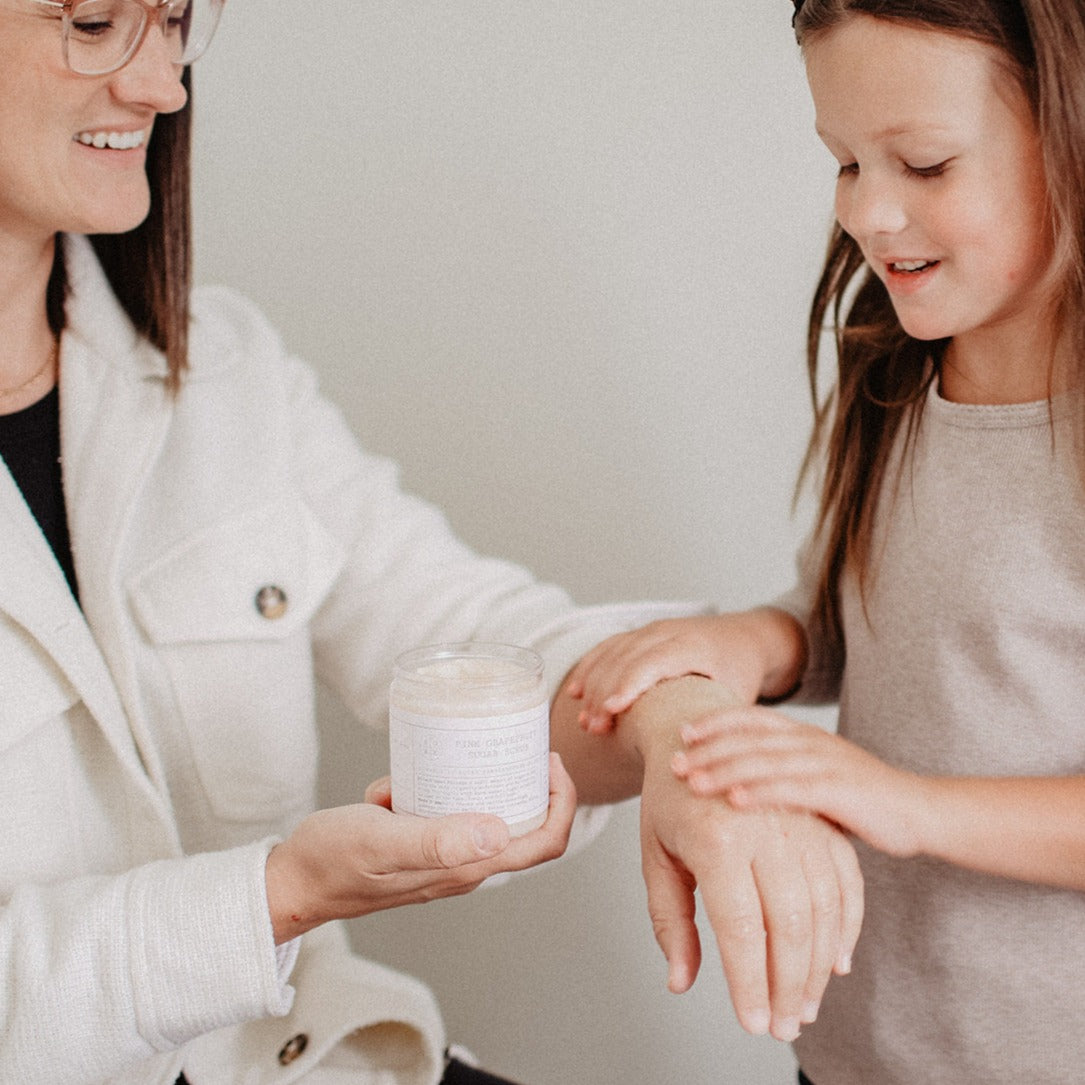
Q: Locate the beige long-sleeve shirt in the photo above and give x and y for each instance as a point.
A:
(969, 660)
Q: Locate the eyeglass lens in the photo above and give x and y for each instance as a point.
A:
(102, 34)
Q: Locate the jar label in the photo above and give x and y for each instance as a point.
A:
(471, 764)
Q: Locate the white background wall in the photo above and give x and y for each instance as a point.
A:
(554, 258)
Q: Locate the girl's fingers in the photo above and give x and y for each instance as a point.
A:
(596, 723)
(749, 768)
(610, 677)
(827, 903)
(851, 916)
(753, 723)
(784, 793)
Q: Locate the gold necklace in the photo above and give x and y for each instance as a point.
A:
(7, 393)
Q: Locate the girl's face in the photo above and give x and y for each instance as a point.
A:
(941, 180)
(73, 147)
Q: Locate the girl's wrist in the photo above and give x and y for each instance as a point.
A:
(920, 816)
(656, 719)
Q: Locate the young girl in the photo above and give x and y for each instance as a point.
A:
(189, 535)
(942, 597)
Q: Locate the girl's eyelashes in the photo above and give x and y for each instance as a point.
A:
(927, 171)
(851, 169)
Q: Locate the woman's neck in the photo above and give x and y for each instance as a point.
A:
(27, 344)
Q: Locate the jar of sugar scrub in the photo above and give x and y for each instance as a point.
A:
(469, 731)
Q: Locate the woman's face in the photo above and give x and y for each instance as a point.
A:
(73, 147)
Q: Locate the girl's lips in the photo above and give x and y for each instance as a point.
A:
(908, 276)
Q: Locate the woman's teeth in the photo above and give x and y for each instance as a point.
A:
(910, 265)
(115, 141)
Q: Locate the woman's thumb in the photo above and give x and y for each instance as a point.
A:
(460, 839)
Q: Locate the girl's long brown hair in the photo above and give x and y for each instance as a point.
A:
(150, 267)
(882, 372)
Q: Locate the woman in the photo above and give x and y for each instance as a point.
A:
(190, 535)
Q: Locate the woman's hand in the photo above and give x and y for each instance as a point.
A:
(755, 653)
(353, 860)
(757, 758)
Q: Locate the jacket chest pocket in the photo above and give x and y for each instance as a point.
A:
(228, 613)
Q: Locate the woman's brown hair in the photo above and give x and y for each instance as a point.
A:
(883, 373)
(150, 267)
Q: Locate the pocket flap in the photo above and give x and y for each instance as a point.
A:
(258, 575)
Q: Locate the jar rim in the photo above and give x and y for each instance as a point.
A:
(526, 663)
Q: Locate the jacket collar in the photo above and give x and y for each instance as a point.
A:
(99, 326)
(96, 320)
(114, 415)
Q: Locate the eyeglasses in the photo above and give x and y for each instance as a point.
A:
(101, 36)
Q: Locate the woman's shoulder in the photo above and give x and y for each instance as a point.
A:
(224, 318)
(226, 329)
(231, 336)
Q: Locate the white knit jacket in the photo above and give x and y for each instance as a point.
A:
(154, 743)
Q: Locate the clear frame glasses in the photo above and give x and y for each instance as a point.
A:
(101, 36)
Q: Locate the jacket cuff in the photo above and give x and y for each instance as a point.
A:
(202, 950)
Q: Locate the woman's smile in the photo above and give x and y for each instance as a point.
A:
(114, 140)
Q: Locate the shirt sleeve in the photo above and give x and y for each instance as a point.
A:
(821, 679)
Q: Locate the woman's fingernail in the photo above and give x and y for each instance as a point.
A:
(489, 839)
(810, 1013)
(843, 966)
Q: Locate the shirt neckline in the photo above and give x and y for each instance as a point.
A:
(1040, 412)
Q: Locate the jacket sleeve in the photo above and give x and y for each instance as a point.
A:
(97, 967)
(408, 580)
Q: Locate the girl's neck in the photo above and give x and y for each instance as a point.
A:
(1021, 365)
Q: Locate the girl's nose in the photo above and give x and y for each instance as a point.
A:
(869, 205)
(151, 77)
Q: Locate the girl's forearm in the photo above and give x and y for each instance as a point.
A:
(1028, 828)
(606, 768)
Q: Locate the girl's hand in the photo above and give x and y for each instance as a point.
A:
(757, 758)
(782, 892)
(743, 652)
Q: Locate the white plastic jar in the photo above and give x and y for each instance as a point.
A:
(469, 731)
